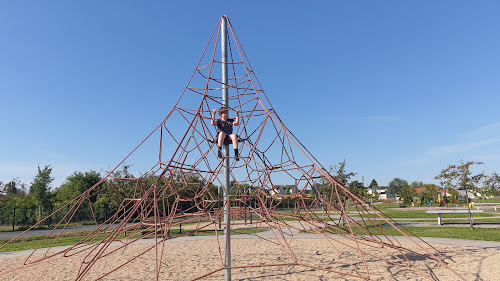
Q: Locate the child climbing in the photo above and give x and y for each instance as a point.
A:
(225, 129)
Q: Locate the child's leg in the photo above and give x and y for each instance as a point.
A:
(234, 140)
(235, 146)
(220, 142)
(220, 139)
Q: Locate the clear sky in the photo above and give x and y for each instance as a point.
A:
(396, 88)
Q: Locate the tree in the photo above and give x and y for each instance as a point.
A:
(431, 191)
(416, 184)
(121, 185)
(446, 179)
(14, 191)
(340, 174)
(75, 185)
(492, 184)
(10, 187)
(357, 188)
(407, 192)
(15, 186)
(40, 188)
(395, 186)
(461, 177)
(373, 184)
(372, 187)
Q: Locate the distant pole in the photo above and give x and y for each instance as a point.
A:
(227, 182)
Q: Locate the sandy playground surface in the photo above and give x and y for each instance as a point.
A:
(186, 260)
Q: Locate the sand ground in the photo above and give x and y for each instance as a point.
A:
(187, 260)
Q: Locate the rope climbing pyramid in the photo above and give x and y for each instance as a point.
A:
(188, 189)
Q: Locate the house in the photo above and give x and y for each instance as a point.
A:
(281, 189)
(439, 190)
(472, 194)
(380, 192)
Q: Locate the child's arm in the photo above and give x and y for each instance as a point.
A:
(237, 120)
(213, 117)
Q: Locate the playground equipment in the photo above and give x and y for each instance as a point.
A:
(450, 211)
(477, 205)
(187, 184)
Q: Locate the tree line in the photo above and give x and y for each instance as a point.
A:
(453, 178)
(25, 205)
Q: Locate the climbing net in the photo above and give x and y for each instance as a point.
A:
(183, 187)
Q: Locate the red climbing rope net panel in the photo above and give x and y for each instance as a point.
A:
(179, 194)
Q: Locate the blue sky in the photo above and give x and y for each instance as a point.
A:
(396, 88)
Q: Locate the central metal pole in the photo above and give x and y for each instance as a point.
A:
(227, 182)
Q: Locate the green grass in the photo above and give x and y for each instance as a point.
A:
(28, 243)
(492, 200)
(421, 214)
(393, 211)
(447, 218)
(401, 214)
(486, 234)
(8, 228)
(73, 238)
(396, 214)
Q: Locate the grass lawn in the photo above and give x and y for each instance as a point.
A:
(402, 213)
(8, 228)
(392, 210)
(75, 237)
(486, 234)
(420, 214)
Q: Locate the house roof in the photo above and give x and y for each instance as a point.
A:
(424, 189)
